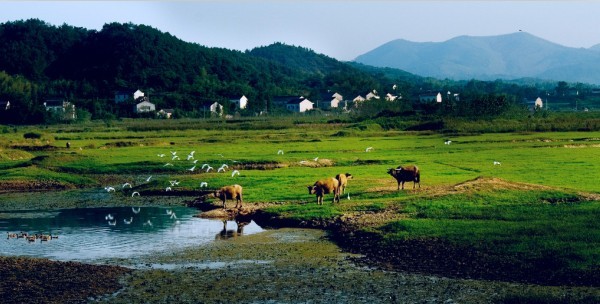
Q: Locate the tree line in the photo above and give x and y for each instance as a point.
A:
(87, 67)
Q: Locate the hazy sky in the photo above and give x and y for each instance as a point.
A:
(340, 29)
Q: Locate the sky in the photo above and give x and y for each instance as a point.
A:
(339, 29)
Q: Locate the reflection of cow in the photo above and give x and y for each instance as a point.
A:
(226, 234)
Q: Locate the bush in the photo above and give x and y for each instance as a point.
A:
(32, 135)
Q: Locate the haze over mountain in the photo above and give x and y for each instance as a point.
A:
(510, 56)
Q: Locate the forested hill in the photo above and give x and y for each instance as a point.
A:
(93, 64)
(128, 56)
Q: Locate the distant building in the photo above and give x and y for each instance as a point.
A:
(299, 105)
(144, 107)
(330, 101)
(390, 97)
(430, 97)
(358, 99)
(372, 95)
(62, 107)
(533, 105)
(240, 103)
(281, 101)
(212, 107)
(129, 95)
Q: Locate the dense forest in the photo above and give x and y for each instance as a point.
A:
(39, 61)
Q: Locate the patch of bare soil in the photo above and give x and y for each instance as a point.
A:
(28, 280)
(32, 185)
(315, 163)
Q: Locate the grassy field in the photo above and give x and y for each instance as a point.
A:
(539, 205)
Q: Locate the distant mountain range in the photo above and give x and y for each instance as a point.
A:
(511, 56)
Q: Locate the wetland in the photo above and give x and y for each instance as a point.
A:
(474, 232)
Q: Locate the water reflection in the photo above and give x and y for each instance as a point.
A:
(97, 233)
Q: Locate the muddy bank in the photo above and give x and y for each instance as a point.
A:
(298, 266)
(28, 280)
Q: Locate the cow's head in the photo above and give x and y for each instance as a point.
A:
(312, 189)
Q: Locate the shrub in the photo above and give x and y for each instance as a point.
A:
(32, 135)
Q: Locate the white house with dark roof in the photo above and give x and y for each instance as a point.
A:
(144, 107)
(212, 107)
(430, 97)
(299, 105)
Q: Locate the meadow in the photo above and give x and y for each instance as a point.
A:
(536, 210)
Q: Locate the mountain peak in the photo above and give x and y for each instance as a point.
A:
(508, 56)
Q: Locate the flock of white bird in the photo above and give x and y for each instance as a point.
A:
(207, 168)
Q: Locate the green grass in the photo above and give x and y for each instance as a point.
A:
(532, 223)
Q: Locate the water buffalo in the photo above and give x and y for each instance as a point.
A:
(325, 186)
(233, 192)
(404, 174)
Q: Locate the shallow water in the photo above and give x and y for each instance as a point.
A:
(88, 234)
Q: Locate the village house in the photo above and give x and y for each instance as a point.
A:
(533, 105)
(299, 105)
(62, 107)
(358, 99)
(331, 101)
(390, 97)
(144, 106)
(430, 97)
(372, 95)
(129, 95)
(212, 107)
(240, 103)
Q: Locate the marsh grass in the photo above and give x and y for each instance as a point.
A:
(528, 223)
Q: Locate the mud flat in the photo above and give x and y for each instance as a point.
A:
(295, 266)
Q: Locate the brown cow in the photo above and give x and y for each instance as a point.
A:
(325, 186)
(343, 179)
(404, 174)
(233, 192)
